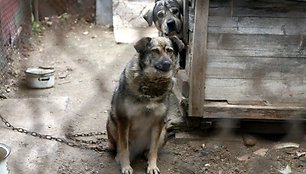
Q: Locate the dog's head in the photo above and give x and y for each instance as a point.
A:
(158, 56)
(167, 17)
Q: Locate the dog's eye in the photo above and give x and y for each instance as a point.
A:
(175, 11)
(160, 14)
(155, 50)
(169, 50)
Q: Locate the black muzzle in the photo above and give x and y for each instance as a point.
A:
(171, 25)
(163, 65)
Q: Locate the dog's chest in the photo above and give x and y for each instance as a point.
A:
(143, 117)
(144, 112)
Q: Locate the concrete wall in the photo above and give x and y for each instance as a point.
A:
(128, 22)
(104, 12)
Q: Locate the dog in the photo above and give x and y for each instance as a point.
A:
(139, 106)
(167, 16)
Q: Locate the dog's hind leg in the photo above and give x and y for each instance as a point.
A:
(111, 134)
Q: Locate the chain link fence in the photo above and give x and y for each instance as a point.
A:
(15, 19)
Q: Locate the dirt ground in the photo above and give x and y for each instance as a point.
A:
(88, 63)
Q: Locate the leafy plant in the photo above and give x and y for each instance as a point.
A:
(37, 27)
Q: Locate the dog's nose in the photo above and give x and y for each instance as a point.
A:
(171, 25)
(163, 65)
(170, 22)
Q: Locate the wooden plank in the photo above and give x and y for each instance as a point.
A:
(186, 21)
(222, 67)
(269, 4)
(215, 110)
(259, 4)
(198, 64)
(256, 45)
(257, 25)
(284, 12)
(277, 53)
(254, 41)
(256, 90)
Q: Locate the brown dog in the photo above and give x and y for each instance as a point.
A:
(140, 103)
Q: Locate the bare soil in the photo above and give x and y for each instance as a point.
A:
(88, 63)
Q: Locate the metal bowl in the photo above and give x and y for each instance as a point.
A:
(4, 151)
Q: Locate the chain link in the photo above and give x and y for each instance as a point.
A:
(74, 142)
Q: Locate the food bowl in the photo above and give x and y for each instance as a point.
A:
(40, 77)
(4, 153)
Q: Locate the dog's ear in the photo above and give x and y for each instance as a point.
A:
(149, 17)
(177, 43)
(141, 45)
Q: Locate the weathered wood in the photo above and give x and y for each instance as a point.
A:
(256, 59)
(257, 25)
(186, 21)
(198, 64)
(255, 41)
(259, 90)
(284, 12)
(259, 4)
(277, 53)
(279, 68)
(256, 45)
(224, 110)
(35, 9)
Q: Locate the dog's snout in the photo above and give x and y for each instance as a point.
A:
(170, 22)
(171, 25)
(163, 65)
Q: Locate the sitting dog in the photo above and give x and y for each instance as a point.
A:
(167, 16)
(140, 102)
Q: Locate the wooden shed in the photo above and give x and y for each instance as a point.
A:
(247, 59)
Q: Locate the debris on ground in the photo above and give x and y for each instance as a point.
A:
(286, 145)
(286, 170)
(301, 156)
(261, 152)
(244, 157)
(249, 140)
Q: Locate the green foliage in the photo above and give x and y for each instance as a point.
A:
(37, 27)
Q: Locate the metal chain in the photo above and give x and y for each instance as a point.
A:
(82, 144)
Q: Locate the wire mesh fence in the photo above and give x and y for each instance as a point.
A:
(16, 20)
(15, 16)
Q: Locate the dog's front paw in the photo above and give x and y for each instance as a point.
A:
(153, 170)
(127, 170)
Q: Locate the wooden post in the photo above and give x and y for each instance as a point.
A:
(186, 21)
(104, 12)
(199, 57)
(35, 9)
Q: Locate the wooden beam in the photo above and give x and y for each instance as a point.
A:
(218, 110)
(198, 62)
(186, 21)
(36, 11)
